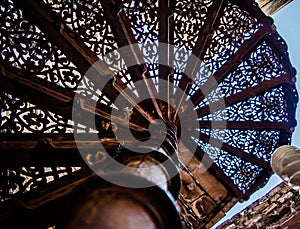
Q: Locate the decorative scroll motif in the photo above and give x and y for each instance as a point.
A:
(189, 18)
(14, 182)
(242, 173)
(18, 116)
(58, 69)
(263, 64)
(260, 143)
(235, 27)
(24, 46)
(270, 106)
(89, 91)
(143, 16)
(181, 57)
(86, 19)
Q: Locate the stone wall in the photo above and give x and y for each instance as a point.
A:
(278, 209)
(270, 7)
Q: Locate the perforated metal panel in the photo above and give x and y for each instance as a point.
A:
(47, 46)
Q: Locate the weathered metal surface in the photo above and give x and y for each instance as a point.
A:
(86, 201)
(46, 48)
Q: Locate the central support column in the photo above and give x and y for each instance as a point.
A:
(97, 203)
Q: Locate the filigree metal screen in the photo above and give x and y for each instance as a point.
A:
(47, 46)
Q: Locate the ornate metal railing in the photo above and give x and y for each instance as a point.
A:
(224, 56)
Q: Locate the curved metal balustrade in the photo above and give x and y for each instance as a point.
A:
(47, 46)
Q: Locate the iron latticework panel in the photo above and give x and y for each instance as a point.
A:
(245, 80)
